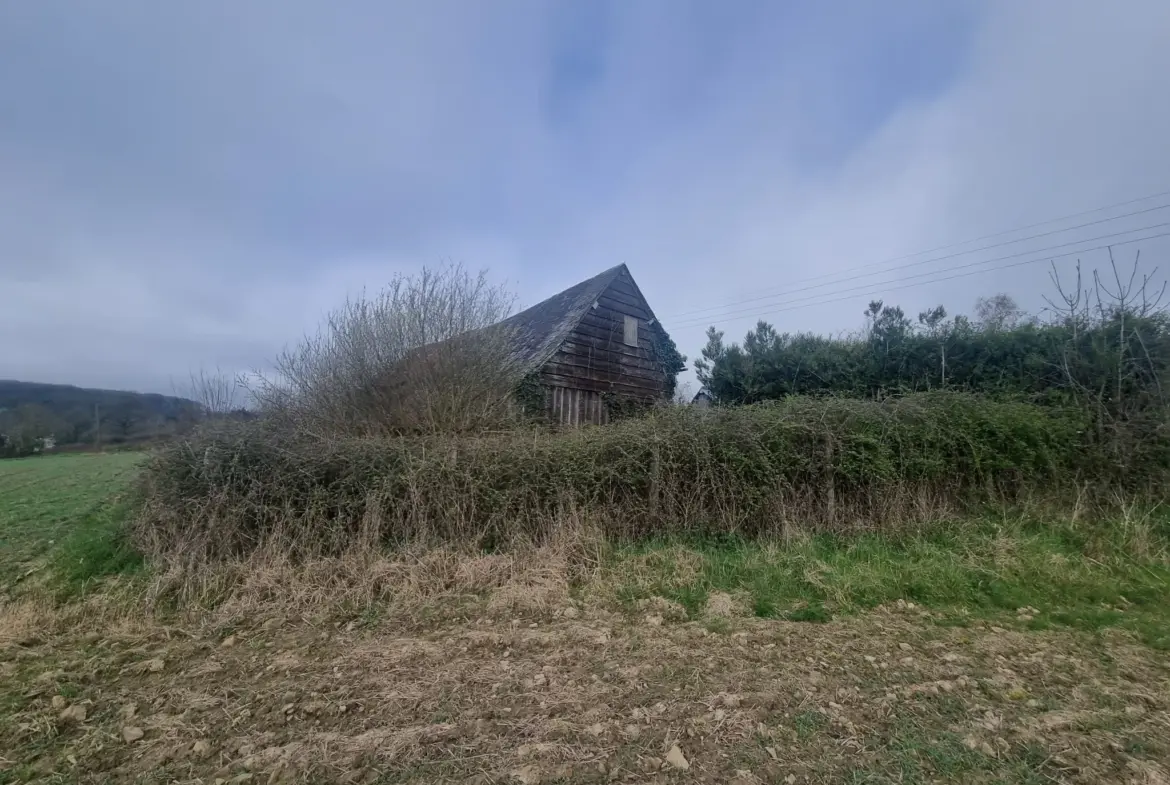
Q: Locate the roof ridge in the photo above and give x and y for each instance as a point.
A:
(543, 327)
(612, 271)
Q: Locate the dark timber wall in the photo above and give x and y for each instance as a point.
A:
(595, 359)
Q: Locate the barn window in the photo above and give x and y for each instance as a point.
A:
(631, 337)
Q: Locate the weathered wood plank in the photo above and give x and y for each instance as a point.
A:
(573, 407)
(602, 319)
(622, 388)
(637, 358)
(609, 359)
(627, 288)
(568, 365)
(618, 303)
(606, 331)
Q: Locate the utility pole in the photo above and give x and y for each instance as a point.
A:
(97, 428)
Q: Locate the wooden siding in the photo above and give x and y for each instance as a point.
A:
(594, 359)
(572, 408)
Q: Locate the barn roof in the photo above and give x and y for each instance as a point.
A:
(540, 330)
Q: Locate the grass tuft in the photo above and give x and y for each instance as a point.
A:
(1085, 576)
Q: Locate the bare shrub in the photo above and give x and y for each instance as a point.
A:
(217, 393)
(415, 357)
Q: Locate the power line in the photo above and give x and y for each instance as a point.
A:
(1045, 257)
(977, 239)
(924, 261)
(968, 274)
(935, 272)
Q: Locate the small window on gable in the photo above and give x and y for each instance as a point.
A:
(631, 337)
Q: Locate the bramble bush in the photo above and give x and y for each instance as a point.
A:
(832, 464)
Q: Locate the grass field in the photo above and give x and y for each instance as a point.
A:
(1009, 649)
(63, 513)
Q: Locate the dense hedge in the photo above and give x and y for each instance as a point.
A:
(825, 462)
(1117, 362)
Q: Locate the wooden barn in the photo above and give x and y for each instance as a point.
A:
(594, 347)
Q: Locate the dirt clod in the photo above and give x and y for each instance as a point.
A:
(74, 713)
(527, 775)
(676, 759)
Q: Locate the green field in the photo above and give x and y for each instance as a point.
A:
(61, 515)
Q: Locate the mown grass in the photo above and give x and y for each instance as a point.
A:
(1089, 576)
(61, 519)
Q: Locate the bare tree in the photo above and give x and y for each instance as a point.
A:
(1111, 325)
(216, 392)
(1073, 308)
(424, 354)
(998, 312)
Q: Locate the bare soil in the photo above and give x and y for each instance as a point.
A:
(580, 694)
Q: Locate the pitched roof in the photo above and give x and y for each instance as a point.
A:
(540, 330)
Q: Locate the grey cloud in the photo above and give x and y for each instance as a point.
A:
(189, 183)
(1047, 118)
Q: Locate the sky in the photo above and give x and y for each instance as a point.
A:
(194, 184)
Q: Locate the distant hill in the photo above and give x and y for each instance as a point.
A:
(31, 412)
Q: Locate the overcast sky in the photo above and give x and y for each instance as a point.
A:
(195, 183)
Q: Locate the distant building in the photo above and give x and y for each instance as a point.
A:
(702, 399)
(594, 341)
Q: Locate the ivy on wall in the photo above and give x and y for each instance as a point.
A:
(530, 395)
(663, 350)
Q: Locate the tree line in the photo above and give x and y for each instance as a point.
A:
(1103, 343)
(36, 416)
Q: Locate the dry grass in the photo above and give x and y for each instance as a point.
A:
(410, 587)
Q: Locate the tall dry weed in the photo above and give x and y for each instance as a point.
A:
(411, 585)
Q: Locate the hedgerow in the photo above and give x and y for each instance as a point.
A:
(815, 463)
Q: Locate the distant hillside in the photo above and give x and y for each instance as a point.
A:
(31, 412)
